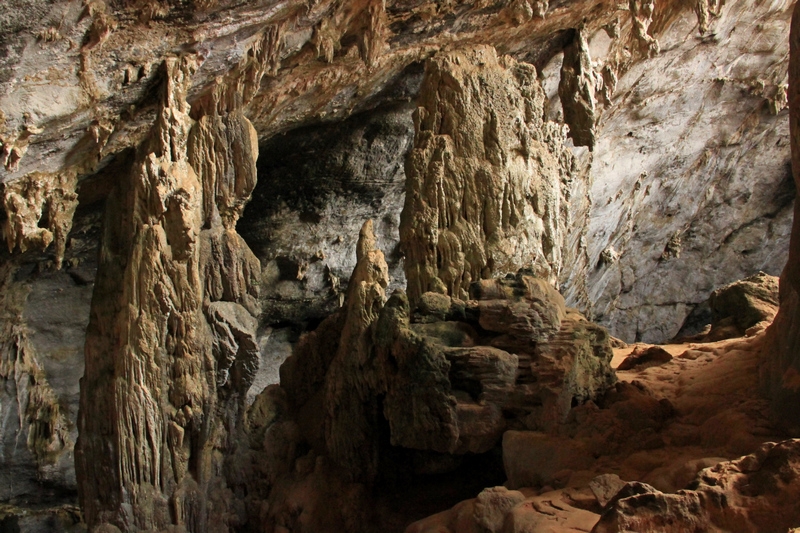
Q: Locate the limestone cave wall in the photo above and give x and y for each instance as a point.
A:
(384, 199)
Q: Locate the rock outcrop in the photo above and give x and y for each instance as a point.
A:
(170, 350)
(488, 178)
(780, 370)
(755, 493)
(429, 378)
(576, 90)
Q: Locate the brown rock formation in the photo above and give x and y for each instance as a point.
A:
(438, 384)
(576, 89)
(780, 370)
(755, 493)
(170, 349)
(742, 305)
(484, 193)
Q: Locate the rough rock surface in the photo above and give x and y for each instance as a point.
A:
(45, 314)
(169, 349)
(488, 178)
(780, 370)
(755, 493)
(640, 357)
(316, 187)
(576, 90)
(666, 425)
(674, 168)
(376, 384)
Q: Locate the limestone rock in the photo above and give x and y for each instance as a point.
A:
(492, 505)
(167, 363)
(234, 346)
(605, 487)
(576, 91)
(642, 357)
(508, 511)
(646, 187)
(438, 384)
(39, 211)
(743, 304)
(35, 440)
(484, 194)
(350, 420)
(780, 368)
(754, 493)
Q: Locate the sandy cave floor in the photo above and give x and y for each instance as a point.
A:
(717, 415)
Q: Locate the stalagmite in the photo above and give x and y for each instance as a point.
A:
(170, 350)
(487, 177)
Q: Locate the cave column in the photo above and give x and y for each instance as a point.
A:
(170, 348)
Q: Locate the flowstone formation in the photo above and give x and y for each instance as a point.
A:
(488, 178)
(170, 349)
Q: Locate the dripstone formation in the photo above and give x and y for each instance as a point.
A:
(488, 179)
(170, 349)
(395, 317)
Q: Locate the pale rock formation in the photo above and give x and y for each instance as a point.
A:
(487, 179)
(676, 167)
(28, 200)
(170, 349)
(642, 12)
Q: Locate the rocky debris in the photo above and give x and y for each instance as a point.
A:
(487, 178)
(645, 356)
(170, 350)
(605, 487)
(757, 492)
(742, 305)
(576, 90)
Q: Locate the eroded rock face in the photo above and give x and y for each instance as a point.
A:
(576, 90)
(754, 493)
(673, 171)
(488, 178)
(429, 379)
(316, 187)
(780, 370)
(170, 350)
